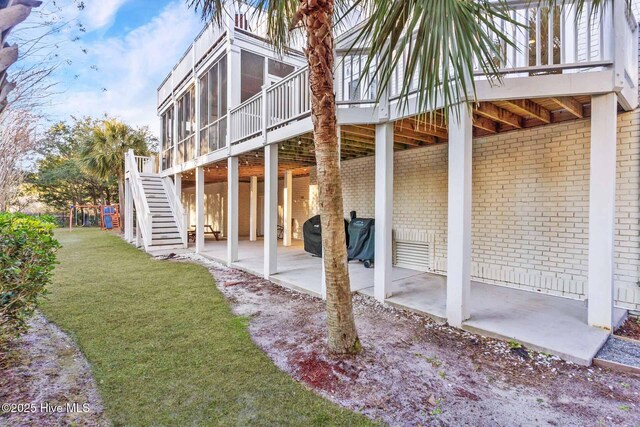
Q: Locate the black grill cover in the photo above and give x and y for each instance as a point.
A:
(312, 235)
(361, 239)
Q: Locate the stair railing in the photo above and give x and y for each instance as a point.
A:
(134, 165)
(179, 212)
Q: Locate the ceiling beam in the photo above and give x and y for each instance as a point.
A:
(525, 107)
(570, 104)
(410, 127)
(485, 124)
(493, 112)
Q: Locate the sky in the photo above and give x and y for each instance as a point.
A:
(113, 54)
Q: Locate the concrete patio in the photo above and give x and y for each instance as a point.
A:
(541, 322)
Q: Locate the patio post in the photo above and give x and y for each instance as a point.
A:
(177, 186)
(270, 209)
(128, 212)
(199, 209)
(383, 210)
(602, 210)
(288, 201)
(253, 209)
(459, 215)
(232, 210)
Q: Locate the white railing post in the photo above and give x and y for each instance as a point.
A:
(148, 239)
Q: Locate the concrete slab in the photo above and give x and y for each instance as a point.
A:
(296, 269)
(541, 322)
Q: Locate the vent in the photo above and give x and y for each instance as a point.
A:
(413, 249)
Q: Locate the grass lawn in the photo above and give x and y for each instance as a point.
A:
(164, 346)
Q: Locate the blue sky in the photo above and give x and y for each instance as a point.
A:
(126, 50)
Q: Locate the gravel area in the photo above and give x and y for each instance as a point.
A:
(621, 351)
(412, 371)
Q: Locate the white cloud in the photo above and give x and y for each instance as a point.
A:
(129, 67)
(100, 13)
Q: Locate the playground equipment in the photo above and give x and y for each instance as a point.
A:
(109, 216)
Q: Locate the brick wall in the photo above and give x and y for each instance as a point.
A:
(530, 205)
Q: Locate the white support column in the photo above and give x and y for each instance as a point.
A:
(199, 209)
(177, 182)
(253, 209)
(270, 209)
(459, 216)
(288, 208)
(383, 210)
(128, 214)
(602, 210)
(232, 210)
(175, 129)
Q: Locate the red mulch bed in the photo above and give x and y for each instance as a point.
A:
(630, 328)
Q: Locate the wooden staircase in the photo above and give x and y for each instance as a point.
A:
(160, 219)
(164, 227)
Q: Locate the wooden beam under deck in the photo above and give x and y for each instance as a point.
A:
(525, 107)
(495, 113)
(571, 105)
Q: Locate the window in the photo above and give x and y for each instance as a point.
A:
(251, 74)
(186, 126)
(357, 84)
(213, 107)
(280, 69)
(167, 139)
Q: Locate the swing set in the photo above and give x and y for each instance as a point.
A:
(107, 215)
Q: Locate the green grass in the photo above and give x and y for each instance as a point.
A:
(164, 346)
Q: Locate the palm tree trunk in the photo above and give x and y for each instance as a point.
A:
(342, 335)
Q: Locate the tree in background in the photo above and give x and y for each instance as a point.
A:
(61, 179)
(103, 147)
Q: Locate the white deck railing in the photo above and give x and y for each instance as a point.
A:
(289, 99)
(553, 42)
(134, 166)
(178, 210)
(578, 44)
(246, 119)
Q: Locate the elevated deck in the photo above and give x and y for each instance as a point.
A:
(538, 85)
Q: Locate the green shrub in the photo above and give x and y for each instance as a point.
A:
(27, 258)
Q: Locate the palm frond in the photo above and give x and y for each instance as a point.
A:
(282, 21)
(439, 44)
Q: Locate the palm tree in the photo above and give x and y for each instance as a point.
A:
(315, 18)
(103, 149)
